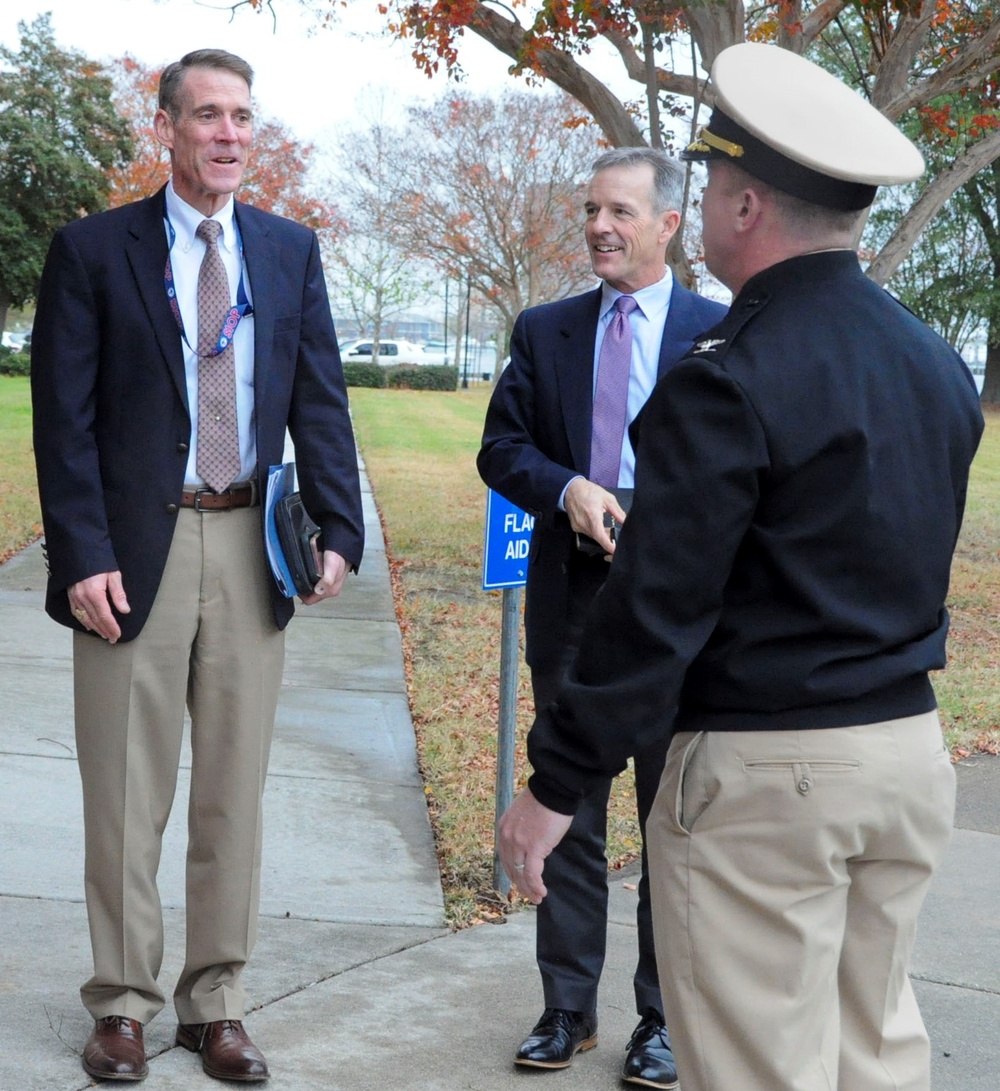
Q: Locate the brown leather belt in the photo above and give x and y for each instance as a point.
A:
(236, 496)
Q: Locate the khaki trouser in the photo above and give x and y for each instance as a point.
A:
(210, 643)
(788, 869)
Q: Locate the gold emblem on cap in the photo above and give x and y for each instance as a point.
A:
(706, 141)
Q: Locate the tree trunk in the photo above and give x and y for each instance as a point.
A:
(500, 339)
(462, 332)
(652, 84)
(679, 263)
(377, 326)
(4, 307)
(894, 69)
(715, 26)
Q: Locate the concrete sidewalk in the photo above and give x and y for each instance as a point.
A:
(356, 984)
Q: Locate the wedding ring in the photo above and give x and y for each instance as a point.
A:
(80, 612)
(519, 867)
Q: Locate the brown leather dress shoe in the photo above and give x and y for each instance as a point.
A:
(226, 1050)
(115, 1050)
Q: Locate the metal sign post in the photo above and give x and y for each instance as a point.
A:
(505, 566)
(507, 721)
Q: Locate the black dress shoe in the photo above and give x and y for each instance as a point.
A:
(556, 1037)
(115, 1050)
(226, 1050)
(650, 1061)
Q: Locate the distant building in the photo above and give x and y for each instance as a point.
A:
(408, 327)
(974, 354)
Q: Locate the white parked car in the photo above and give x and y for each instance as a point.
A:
(391, 351)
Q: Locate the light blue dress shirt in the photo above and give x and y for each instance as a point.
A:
(647, 322)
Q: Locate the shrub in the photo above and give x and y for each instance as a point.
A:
(14, 363)
(423, 377)
(369, 375)
(402, 376)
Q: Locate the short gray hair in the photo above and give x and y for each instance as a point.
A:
(172, 78)
(668, 174)
(806, 219)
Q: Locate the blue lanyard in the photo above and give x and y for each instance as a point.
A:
(235, 314)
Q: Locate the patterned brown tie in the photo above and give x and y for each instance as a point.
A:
(218, 433)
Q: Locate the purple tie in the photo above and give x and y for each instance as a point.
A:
(611, 397)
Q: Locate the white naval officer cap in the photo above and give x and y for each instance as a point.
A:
(789, 123)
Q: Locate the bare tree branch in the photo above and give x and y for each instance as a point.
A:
(672, 83)
(818, 20)
(929, 203)
(894, 71)
(607, 110)
(975, 62)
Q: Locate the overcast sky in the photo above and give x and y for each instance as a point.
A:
(310, 81)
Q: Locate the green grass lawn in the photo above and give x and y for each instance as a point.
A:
(20, 518)
(968, 691)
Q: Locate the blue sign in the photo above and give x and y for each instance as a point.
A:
(508, 538)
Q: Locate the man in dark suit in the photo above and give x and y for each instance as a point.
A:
(155, 422)
(777, 601)
(537, 451)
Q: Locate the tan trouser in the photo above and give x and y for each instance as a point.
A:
(210, 643)
(788, 869)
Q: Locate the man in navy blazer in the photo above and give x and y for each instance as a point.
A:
(162, 576)
(536, 452)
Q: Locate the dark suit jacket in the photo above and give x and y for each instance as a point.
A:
(538, 430)
(111, 421)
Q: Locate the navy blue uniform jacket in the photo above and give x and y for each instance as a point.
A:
(800, 485)
(537, 435)
(111, 422)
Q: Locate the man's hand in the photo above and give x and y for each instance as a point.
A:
(335, 569)
(585, 505)
(91, 601)
(526, 834)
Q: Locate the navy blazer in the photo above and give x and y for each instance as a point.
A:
(111, 421)
(537, 435)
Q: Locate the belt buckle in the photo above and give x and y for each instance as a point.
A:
(198, 494)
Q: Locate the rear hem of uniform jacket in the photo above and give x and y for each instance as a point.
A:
(909, 697)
